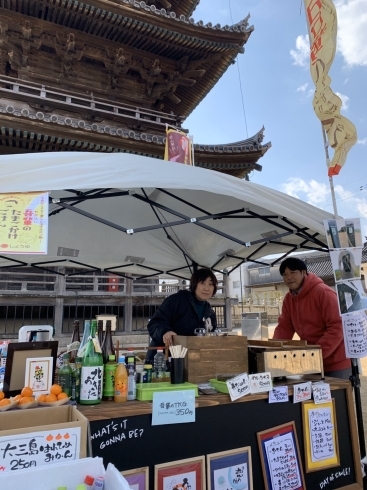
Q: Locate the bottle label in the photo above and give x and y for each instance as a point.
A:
(131, 387)
(91, 383)
(97, 347)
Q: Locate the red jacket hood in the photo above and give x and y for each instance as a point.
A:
(309, 282)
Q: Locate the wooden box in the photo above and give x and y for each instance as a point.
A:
(209, 356)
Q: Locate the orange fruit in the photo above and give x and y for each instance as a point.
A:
(26, 399)
(4, 401)
(62, 395)
(17, 398)
(26, 391)
(2, 395)
(55, 389)
(42, 398)
(51, 398)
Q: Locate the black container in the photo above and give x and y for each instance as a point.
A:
(177, 370)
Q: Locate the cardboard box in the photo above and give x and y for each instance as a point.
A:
(209, 356)
(32, 420)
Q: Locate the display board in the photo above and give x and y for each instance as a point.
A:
(130, 441)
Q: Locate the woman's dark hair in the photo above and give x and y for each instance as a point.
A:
(202, 275)
(293, 264)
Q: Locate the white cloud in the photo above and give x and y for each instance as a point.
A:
(301, 54)
(315, 192)
(362, 142)
(346, 81)
(345, 101)
(310, 92)
(302, 88)
(352, 31)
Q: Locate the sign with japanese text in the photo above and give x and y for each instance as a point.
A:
(355, 335)
(23, 451)
(238, 386)
(24, 223)
(279, 394)
(321, 393)
(302, 392)
(341, 133)
(173, 407)
(322, 434)
(260, 382)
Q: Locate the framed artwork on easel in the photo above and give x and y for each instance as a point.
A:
(230, 469)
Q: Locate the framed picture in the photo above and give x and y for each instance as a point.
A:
(230, 469)
(18, 353)
(280, 458)
(38, 374)
(137, 479)
(320, 436)
(177, 475)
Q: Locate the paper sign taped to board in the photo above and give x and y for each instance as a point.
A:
(238, 386)
(355, 334)
(321, 393)
(260, 382)
(24, 451)
(302, 392)
(173, 407)
(279, 394)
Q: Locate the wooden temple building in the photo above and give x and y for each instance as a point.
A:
(109, 75)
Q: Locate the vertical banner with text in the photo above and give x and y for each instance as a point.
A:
(24, 223)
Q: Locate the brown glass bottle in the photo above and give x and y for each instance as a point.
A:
(75, 342)
(100, 332)
(107, 345)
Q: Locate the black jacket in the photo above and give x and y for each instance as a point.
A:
(177, 313)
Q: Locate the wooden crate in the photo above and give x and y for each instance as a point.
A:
(209, 356)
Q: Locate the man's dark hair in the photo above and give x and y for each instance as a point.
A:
(293, 264)
(202, 275)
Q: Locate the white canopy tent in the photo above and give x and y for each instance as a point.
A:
(129, 213)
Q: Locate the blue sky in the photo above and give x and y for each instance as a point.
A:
(277, 92)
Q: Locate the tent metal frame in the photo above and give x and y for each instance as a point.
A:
(69, 203)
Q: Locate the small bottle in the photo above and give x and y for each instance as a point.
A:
(159, 365)
(75, 380)
(98, 483)
(147, 378)
(88, 482)
(75, 343)
(107, 345)
(100, 332)
(131, 382)
(86, 335)
(121, 381)
(65, 375)
(92, 370)
(109, 378)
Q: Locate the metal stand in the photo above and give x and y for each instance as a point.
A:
(356, 383)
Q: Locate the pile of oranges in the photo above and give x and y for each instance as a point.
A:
(56, 394)
(25, 396)
(4, 401)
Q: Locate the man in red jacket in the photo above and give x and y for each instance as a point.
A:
(310, 309)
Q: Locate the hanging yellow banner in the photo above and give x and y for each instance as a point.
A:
(178, 147)
(341, 133)
(24, 223)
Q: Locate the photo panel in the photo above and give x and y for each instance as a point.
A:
(343, 233)
(346, 263)
(351, 296)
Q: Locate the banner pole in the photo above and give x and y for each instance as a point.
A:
(331, 182)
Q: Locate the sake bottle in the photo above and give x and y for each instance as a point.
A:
(91, 381)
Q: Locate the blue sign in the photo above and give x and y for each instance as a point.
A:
(173, 407)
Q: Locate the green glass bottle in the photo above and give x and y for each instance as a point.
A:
(75, 380)
(65, 375)
(109, 378)
(91, 381)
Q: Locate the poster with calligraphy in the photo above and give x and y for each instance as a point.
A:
(280, 458)
(185, 473)
(230, 469)
(320, 436)
(24, 223)
(355, 335)
(24, 451)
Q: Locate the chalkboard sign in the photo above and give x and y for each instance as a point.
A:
(132, 441)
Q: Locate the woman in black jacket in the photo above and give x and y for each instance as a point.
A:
(183, 312)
